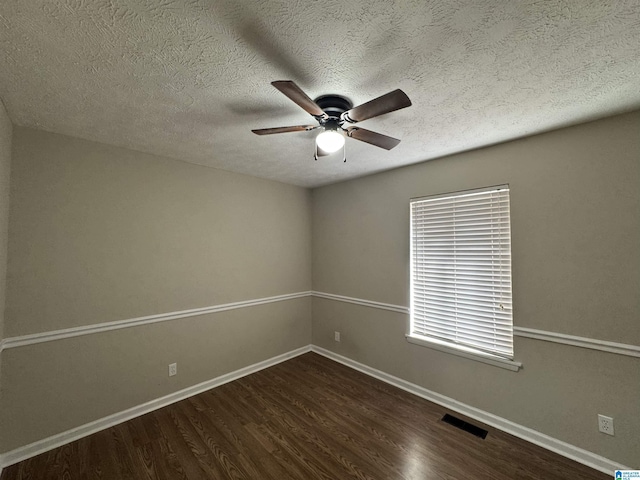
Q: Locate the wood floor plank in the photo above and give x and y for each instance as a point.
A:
(213, 459)
(294, 415)
(307, 418)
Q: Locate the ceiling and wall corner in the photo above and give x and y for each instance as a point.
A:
(189, 79)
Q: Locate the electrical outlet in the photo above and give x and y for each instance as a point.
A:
(605, 424)
(336, 336)
(173, 369)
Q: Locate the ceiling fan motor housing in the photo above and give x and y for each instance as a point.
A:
(334, 105)
(332, 112)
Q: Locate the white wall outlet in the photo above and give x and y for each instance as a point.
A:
(173, 369)
(336, 336)
(605, 424)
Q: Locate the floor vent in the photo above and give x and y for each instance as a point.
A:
(467, 427)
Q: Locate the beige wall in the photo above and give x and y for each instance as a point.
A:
(5, 171)
(99, 233)
(575, 206)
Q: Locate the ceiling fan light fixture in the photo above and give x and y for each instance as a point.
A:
(333, 111)
(330, 141)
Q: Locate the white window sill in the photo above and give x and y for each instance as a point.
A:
(466, 352)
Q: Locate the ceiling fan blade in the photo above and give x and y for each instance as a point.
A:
(389, 102)
(295, 93)
(377, 139)
(297, 128)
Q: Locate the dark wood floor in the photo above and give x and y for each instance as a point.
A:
(307, 418)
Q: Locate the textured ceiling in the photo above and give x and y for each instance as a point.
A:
(189, 79)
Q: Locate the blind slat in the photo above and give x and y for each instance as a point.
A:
(461, 269)
(445, 300)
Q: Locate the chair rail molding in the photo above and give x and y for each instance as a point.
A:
(543, 335)
(584, 342)
(31, 339)
(562, 338)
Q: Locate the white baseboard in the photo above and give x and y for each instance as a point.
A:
(44, 445)
(562, 448)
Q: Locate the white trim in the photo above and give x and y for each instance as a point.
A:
(592, 343)
(562, 448)
(31, 339)
(562, 338)
(46, 444)
(466, 353)
(461, 193)
(363, 302)
(558, 446)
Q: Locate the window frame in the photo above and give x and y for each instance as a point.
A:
(462, 350)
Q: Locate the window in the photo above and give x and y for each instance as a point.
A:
(461, 271)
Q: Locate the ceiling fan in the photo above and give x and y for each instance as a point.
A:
(336, 115)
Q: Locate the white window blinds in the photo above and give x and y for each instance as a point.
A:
(461, 270)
